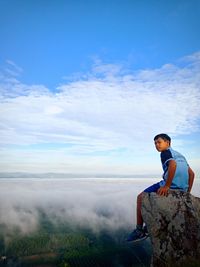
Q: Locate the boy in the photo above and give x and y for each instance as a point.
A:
(177, 175)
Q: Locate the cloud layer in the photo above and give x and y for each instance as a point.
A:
(98, 204)
(109, 110)
(95, 203)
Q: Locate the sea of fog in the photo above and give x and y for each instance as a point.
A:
(95, 203)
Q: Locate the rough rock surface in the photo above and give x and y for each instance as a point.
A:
(173, 223)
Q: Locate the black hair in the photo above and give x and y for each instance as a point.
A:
(163, 136)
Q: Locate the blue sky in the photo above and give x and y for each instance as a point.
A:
(85, 85)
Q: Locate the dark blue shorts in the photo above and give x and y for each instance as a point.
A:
(152, 188)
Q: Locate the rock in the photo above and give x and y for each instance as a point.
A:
(173, 223)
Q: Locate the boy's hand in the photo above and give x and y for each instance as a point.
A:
(163, 191)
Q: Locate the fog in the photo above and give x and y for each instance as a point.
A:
(97, 204)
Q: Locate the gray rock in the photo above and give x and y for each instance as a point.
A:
(173, 223)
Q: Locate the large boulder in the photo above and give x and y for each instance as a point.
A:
(173, 223)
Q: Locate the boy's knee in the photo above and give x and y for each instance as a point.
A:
(139, 197)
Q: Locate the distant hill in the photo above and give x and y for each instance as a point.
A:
(71, 175)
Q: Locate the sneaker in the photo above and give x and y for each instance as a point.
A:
(145, 230)
(137, 235)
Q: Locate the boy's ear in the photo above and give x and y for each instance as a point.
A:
(168, 142)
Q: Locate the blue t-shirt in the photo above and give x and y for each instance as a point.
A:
(180, 180)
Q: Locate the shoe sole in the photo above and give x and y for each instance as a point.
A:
(138, 240)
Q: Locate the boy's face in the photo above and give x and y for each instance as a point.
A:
(161, 144)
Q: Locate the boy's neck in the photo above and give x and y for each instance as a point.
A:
(166, 148)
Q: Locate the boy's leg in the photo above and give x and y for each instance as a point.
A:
(140, 233)
(139, 208)
(150, 189)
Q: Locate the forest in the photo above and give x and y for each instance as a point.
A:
(63, 245)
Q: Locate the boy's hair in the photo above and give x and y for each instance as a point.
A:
(163, 136)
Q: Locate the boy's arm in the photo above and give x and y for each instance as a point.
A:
(163, 191)
(191, 179)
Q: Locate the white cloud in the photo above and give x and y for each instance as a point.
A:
(12, 68)
(95, 203)
(98, 204)
(109, 109)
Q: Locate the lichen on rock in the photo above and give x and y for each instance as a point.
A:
(173, 223)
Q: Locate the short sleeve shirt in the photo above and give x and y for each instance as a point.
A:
(180, 180)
